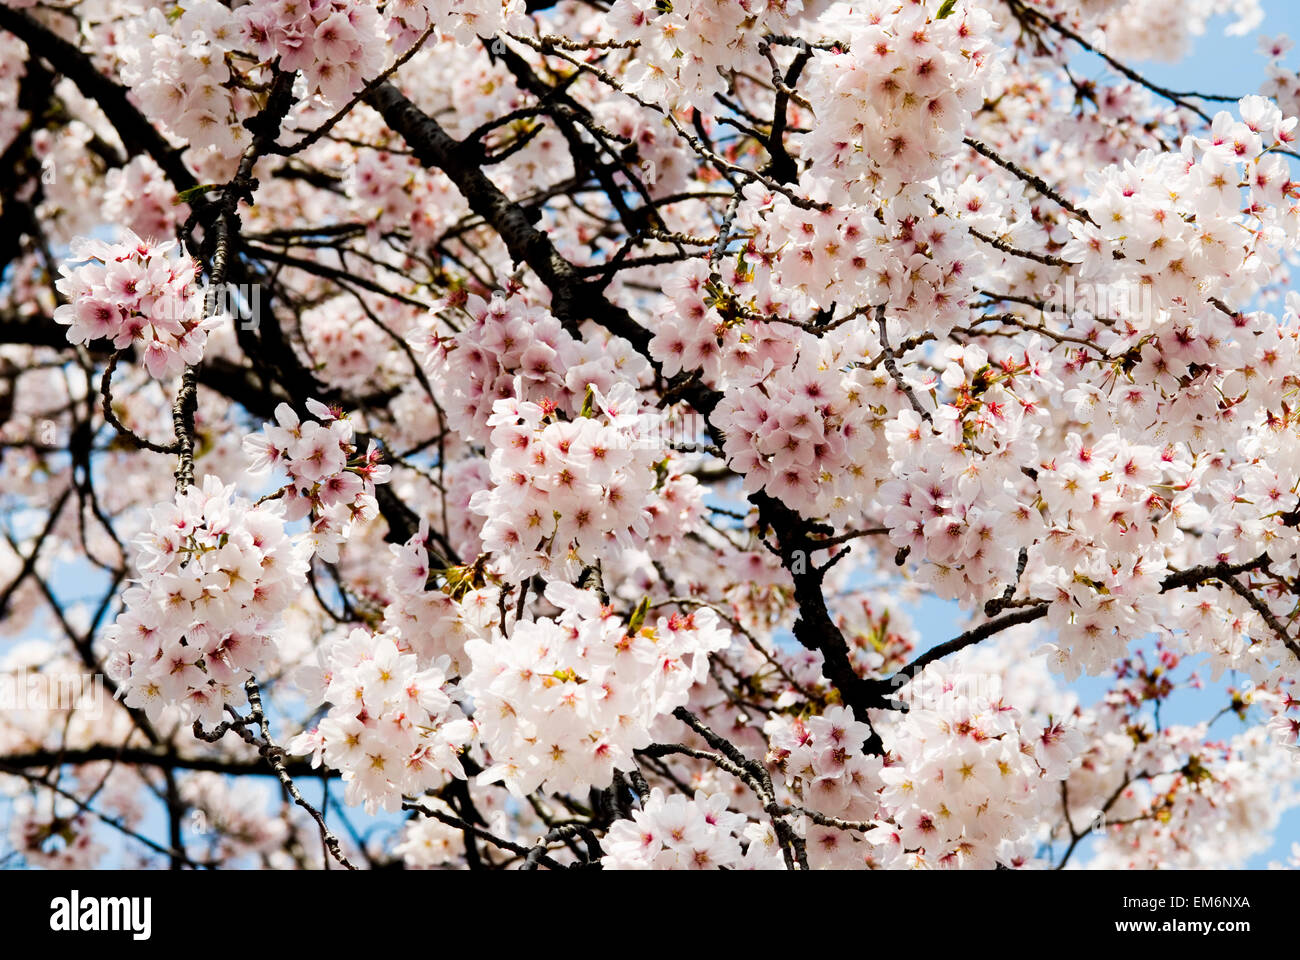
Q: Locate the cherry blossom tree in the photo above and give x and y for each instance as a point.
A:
(518, 435)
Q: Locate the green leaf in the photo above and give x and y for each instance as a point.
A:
(638, 615)
(185, 196)
(588, 403)
(661, 472)
(945, 8)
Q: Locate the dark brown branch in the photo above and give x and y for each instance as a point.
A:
(155, 757)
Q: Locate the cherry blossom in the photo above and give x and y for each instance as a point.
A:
(135, 293)
(708, 434)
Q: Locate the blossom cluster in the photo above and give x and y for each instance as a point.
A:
(428, 842)
(821, 763)
(465, 20)
(53, 834)
(562, 703)
(1176, 797)
(338, 46)
(810, 432)
(1157, 29)
(177, 69)
(684, 47)
(432, 622)
(228, 818)
(965, 780)
(140, 196)
(680, 833)
(664, 162)
(1100, 583)
(215, 573)
(133, 293)
(691, 333)
(350, 350)
(393, 191)
(393, 727)
(893, 104)
(799, 261)
(329, 482)
(512, 349)
(1171, 222)
(947, 497)
(568, 492)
